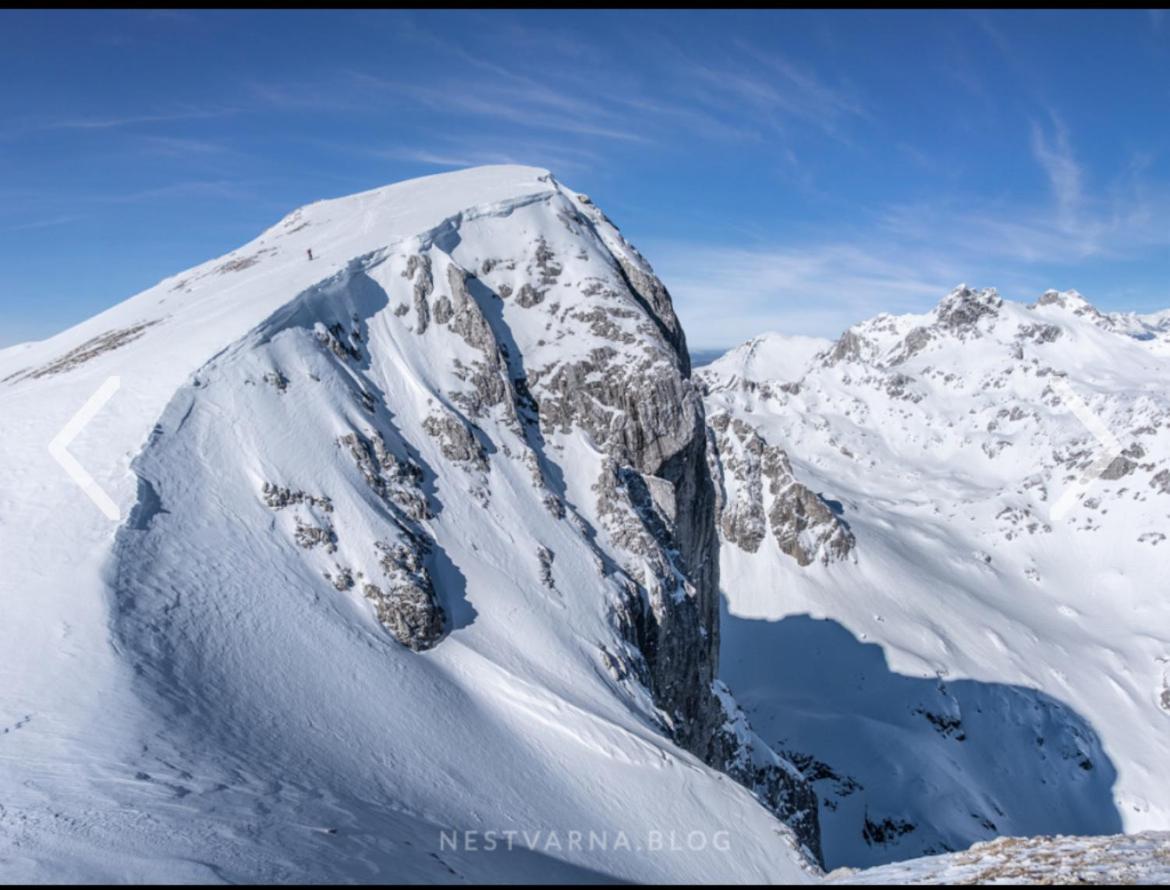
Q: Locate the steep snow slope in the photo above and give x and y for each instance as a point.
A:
(912, 616)
(417, 536)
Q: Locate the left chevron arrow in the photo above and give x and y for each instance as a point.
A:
(58, 448)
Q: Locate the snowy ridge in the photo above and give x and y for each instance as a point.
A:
(770, 356)
(398, 557)
(973, 665)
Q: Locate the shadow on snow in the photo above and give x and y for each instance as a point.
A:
(907, 766)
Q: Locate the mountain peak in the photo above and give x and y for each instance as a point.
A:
(415, 205)
(427, 458)
(1070, 300)
(963, 307)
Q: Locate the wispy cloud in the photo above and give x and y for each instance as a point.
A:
(176, 146)
(438, 159)
(765, 87)
(1065, 176)
(46, 223)
(903, 258)
(109, 123)
(331, 96)
(1118, 218)
(532, 106)
(741, 93)
(472, 149)
(222, 188)
(803, 90)
(18, 201)
(96, 123)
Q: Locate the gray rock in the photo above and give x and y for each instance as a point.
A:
(545, 557)
(278, 497)
(87, 351)
(343, 580)
(276, 379)
(310, 536)
(849, 347)
(443, 310)
(528, 296)
(775, 782)
(418, 267)
(337, 341)
(803, 525)
(398, 481)
(962, 309)
(545, 260)
(1160, 481)
(1119, 467)
(1040, 333)
(456, 440)
(912, 344)
(408, 606)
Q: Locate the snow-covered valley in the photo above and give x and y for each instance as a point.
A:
(435, 562)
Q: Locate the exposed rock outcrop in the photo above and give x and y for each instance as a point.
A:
(457, 441)
(418, 268)
(963, 308)
(408, 607)
(765, 493)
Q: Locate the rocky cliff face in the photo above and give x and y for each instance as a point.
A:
(657, 499)
(758, 492)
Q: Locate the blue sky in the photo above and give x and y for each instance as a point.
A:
(785, 171)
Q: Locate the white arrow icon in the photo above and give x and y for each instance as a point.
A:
(1101, 433)
(57, 448)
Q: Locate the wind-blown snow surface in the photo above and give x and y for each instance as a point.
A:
(203, 690)
(954, 662)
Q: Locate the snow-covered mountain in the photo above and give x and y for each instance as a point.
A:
(770, 356)
(925, 608)
(417, 539)
(432, 565)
